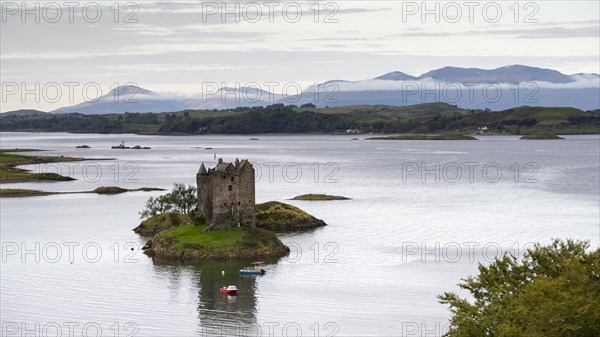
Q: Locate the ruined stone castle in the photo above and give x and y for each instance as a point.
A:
(226, 195)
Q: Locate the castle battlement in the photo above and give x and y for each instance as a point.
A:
(226, 194)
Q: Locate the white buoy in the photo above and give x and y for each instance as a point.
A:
(223, 272)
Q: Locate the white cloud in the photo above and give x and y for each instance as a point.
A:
(171, 46)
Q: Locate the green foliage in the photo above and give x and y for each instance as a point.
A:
(174, 219)
(198, 218)
(182, 199)
(161, 222)
(553, 291)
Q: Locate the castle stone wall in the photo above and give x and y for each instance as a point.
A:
(226, 194)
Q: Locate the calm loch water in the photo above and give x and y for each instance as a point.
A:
(423, 214)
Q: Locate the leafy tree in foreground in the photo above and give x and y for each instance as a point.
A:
(182, 199)
(553, 291)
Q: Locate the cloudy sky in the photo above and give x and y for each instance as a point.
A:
(176, 47)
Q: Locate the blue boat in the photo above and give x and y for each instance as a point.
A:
(255, 269)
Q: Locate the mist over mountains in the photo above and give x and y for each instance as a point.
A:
(469, 88)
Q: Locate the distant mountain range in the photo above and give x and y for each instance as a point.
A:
(469, 88)
(129, 98)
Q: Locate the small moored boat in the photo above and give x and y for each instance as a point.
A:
(231, 290)
(255, 269)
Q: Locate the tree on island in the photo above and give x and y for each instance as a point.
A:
(553, 291)
(182, 199)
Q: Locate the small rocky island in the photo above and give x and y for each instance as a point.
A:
(319, 197)
(280, 217)
(123, 147)
(225, 223)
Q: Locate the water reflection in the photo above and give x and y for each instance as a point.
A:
(220, 314)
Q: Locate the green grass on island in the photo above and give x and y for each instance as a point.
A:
(425, 137)
(162, 222)
(277, 216)
(108, 190)
(10, 173)
(541, 136)
(192, 243)
(186, 237)
(319, 197)
(273, 215)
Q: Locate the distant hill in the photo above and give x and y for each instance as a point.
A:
(23, 113)
(468, 88)
(127, 98)
(509, 74)
(396, 76)
(135, 99)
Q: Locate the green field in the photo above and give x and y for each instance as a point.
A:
(191, 242)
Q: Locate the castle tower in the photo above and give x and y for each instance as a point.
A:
(226, 194)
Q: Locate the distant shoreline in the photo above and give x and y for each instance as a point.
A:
(365, 136)
(428, 118)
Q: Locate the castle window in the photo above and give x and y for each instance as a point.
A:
(230, 187)
(239, 203)
(231, 178)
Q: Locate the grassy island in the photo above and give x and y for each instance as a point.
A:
(192, 243)
(425, 137)
(181, 233)
(277, 216)
(178, 236)
(19, 192)
(10, 173)
(541, 136)
(109, 190)
(118, 190)
(319, 197)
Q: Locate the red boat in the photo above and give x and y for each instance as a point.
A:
(231, 290)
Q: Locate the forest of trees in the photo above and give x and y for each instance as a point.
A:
(306, 119)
